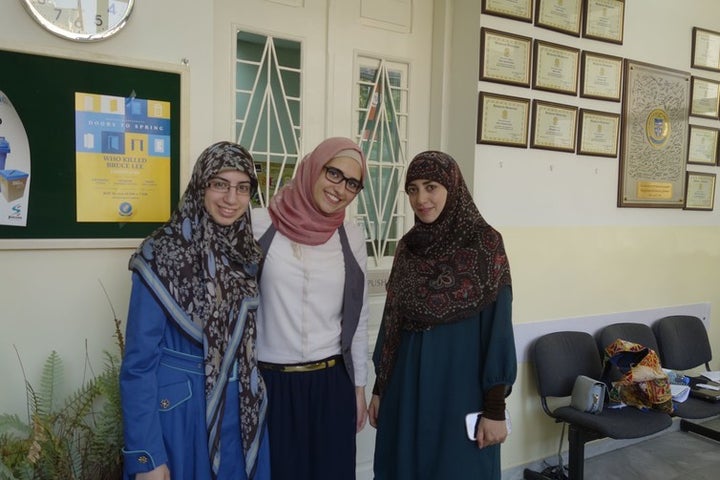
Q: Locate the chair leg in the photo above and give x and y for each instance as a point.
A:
(576, 453)
(688, 426)
(577, 438)
(533, 475)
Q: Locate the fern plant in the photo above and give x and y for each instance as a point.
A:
(77, 438)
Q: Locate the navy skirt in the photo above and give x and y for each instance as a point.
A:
(311, 421)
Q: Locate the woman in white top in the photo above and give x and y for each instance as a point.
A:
(312, 318)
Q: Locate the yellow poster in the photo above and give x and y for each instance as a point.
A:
(122, 159)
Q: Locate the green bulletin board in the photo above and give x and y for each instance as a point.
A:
(42, 90)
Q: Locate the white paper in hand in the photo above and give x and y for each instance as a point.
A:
(472, 420)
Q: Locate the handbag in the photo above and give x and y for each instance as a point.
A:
(588, 395)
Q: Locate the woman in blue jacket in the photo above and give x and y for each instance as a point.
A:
(193, 401)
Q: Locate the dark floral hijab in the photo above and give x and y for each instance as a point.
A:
(445, 271)
(205, 276)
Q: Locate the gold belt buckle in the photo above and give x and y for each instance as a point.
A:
(310, 367)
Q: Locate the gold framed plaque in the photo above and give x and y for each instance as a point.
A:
(653, 142)
(505, 57)
(555, 67)
(700, 188)
(560, 15)
(598, 133)
(515, 9)
(601, 76)
(604, 20)
(705, 49)
(553, 126)
(503, 120)
(702, 145)
(704, 97)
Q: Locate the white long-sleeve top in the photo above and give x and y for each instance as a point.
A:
(301, 299)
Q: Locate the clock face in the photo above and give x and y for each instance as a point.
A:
(81, 20)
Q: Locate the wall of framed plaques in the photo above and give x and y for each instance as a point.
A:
(704, 127)
(563, 64)
(557, 67)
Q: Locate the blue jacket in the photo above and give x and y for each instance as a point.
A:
(163, 401)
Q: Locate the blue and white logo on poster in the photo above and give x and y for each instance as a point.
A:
(125, 209)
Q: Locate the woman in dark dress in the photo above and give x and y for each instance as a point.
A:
(445, 347)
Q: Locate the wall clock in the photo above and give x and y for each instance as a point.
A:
(81, 20)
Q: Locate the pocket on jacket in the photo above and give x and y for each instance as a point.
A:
(173, 395)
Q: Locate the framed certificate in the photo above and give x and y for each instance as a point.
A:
(503, 120)
(700, 191)
(704, 97)
(705, 49)
(604, 20)
(555, 68)
(553, 126)
(653, 143)
(514, 9)
(504, 57)
(601, 76)
(598, 133)
(559, 15)
(702, 145)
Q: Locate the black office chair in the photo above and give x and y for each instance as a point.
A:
(559, 358)
(684, 345)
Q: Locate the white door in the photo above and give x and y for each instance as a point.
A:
(299, 71)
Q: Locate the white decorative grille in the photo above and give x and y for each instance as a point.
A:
(382, 134)
(267, 107)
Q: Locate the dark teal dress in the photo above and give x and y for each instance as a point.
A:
(439, 377)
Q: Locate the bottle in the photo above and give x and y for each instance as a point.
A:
(676, 377)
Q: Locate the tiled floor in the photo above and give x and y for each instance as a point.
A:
(672, 456)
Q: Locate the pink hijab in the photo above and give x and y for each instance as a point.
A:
(293, 210)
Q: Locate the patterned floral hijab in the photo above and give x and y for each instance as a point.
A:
(204, 274)
(445, 271)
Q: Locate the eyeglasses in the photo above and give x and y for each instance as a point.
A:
(336, 176)
(221, 186)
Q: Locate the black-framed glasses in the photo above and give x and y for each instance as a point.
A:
(221, 186)
(336, 176)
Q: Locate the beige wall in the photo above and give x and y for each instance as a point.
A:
(572, 252)
(566, 272)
